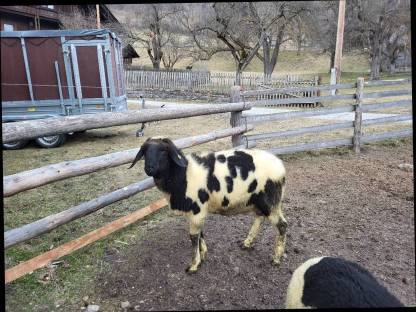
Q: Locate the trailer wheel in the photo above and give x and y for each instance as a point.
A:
(51, 141)
(15, 145)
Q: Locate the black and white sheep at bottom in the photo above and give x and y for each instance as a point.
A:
(228, 182)
(328, 282)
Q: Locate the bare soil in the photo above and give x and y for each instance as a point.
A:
(359, 207)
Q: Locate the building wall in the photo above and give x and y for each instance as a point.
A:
(22, 22)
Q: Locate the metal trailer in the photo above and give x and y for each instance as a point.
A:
(48, 73)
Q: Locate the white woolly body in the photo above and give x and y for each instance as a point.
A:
(267, 166)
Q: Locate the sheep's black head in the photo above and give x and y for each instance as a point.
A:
(159, 156)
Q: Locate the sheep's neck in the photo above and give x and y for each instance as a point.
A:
(173, 182)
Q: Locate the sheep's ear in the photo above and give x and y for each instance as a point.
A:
(175, 154)
(140, 154)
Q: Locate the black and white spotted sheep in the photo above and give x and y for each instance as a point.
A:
(227, 182)
(328, 282)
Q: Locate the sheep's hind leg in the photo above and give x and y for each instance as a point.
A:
(254, 230)
(202, 247)
(278, 220)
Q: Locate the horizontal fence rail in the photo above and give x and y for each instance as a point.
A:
(386, 135)
(299, 131)
(297, 114)
(310, 146)
(387, 82)
(23, 130)
(15, 183)
(26, 232)
(302, 100)
(44, 259)
(301, 89)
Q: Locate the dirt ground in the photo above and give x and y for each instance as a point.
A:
(336, 204)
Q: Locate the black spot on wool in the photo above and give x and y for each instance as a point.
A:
(252, 186)
(265, 200)
(209, 162)
(230, 184)
(338, 283)
(243, 161)
(225, 202)
(221, 158)
(203, 196)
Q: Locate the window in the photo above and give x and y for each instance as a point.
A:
(8, 27)
(50, 7)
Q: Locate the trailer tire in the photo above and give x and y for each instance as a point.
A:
(51, 141)
(15, 145)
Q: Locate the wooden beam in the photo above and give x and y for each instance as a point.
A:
(340, 39)
(97, 8)
(48, 223)
(31, 129)
(26, 180)
(65, 249)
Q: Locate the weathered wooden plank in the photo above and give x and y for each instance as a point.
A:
(309, 146)
(369, 107)
(387, 83)
(369, 95)
(303, 89)
(386, 135)
(299, 131)
(65, 249)
(13, 184)
(386, 119)
(30, 129)
(47, 224)
(298, 114)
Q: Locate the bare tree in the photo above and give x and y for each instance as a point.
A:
(379, 22)
(154, 26)
(271, 21)
(226, 28)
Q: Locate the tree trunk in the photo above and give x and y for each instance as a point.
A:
(238, 76)
(376, 56)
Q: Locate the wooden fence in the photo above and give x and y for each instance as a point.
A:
(356, 105)
(219, 82)
(19, 182)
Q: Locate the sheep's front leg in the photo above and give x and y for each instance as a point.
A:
(254, 230)
(195, 229)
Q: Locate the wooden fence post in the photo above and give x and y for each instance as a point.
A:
(236, 117)
(358, 115)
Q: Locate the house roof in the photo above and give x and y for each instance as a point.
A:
(130, 52)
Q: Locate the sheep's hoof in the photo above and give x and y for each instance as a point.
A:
(243, 246)
(275, 263)
(190, 271)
